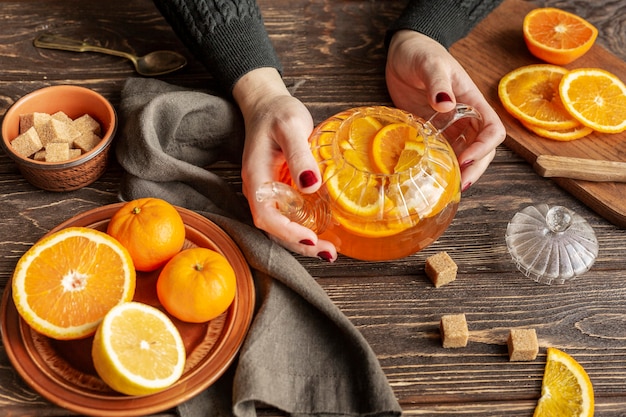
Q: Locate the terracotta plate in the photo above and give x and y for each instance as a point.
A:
(62, 371)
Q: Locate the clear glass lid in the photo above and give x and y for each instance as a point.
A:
(551, 244)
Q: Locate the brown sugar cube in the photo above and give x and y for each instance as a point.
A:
(62, 117)
(86, 123)
(32, 120)
(441, 269)
(40, 156)
(523, 345)
(454, 332)
(57, 152)
(27, 143)
(56, 131)
(86, 141)
(75, 153)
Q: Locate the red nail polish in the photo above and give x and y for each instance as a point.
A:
(326, 256)
(441, 97)
(466, 186)
(307, 242)
(467, 163)
(307, 179)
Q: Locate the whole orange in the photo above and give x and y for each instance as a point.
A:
(196, 285)
(150, 229)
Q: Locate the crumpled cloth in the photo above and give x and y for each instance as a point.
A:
(301, 355)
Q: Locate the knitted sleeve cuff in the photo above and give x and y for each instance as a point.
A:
(445, 21)
(229, 38)
(241, 48)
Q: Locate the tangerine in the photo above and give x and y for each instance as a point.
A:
(197, 285)
(151, 229)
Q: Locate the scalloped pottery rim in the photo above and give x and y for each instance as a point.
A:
(62, 371)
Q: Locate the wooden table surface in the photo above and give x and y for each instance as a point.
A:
(334, 57)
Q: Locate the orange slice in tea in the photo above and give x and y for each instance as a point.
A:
(354, 190)
(557, 36)
(410, 155)
(388, 144)
(356, 149)
(596, 98)
(531, 94)
(66, 283)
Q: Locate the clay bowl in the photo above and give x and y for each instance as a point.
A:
(74, 101)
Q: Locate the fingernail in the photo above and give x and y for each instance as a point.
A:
(467, 163)
(466, 186)
(325, 256)
(307, 179)
(441, 97)
(307, 242)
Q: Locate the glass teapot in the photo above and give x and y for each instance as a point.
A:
(391, 181)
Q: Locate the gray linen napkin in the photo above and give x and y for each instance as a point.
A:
(301, 355)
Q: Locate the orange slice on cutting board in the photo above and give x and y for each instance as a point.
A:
(596, 98)
(531, 94)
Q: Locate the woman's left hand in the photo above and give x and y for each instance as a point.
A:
(422, 76)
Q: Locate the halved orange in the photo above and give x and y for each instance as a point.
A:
(564, 135)
(66, 283)
(138, 350)
(596, 98)
(531, 94)
(556, 36)
(566, 389)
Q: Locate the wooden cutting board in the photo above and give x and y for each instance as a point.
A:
(494, 48)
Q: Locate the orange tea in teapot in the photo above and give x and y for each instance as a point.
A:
(391, 183)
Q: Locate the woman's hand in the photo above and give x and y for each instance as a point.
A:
(422, 76)
(277, 129)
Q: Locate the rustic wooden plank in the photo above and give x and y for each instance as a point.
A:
(334, 56)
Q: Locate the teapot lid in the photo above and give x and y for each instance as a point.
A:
(551, 244)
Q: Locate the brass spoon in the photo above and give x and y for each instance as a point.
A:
(150, 65)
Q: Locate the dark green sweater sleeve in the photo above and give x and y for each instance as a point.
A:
(228, 37)
(446, 21)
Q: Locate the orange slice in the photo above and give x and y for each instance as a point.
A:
(556, 36)
(65, 284)
(357, 148)
(138, 350)
(410, 155)
(577, 132)
(355, 191)
(566, 389)
(388, 144)
(596, 98)
(531, 94)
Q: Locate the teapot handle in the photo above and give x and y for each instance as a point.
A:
(442, 121)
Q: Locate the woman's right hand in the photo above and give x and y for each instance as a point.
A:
(277, 130)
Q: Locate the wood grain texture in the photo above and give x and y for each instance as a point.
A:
(503, 46)
(333, 56)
